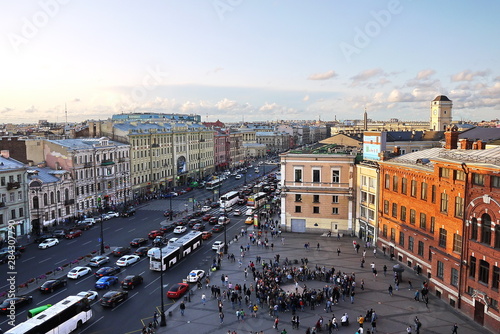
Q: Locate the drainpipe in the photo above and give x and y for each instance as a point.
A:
(465, 235)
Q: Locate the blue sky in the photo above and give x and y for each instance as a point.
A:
(248, 59)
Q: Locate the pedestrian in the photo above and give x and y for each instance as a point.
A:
(411, 286)
(338, 251)
(390, 290)
(317, 247)
(454, 329)
(221, 317)
(203, 299)
(182, 307)
(418, 324)
(408, 329)
(374, 252)
(417, 295)
(155, 319)
(362, 284)
(276, 323)
(385, 270)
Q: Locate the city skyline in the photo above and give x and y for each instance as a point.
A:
(237, 60)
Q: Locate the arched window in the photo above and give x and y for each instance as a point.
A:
(36, 204)
(497, 236)
(58, 195)
(486, 229)
(45, 199)
(51, 197)
(66, 194)
(473, 230)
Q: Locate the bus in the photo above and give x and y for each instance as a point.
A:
(62, 318)
(229, 199)
(166, 257)
(256, 201)
(213, 184)
(36, 310)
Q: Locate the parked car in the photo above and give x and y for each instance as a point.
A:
(91, 295)
(131, 281)
(107, 271)
(52, 284)
(177, 290)
(59, 234)
(136, 242)
(206, 235)
(17, 301)
(217, 228)
(180, 229)
(83, 225)
(78, 272)
(120, 251)
(129, 212)
(90, 221)
(43, 237)
(195, 275)
(127, 260)
(73, 234)
(112, 298)
(98, 261)
(48, 243)
(142, 251)
(105, 282)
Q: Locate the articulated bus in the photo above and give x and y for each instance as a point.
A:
(229, 199)
(61, 318)
(166, 257)
(36, 310)
(213, 184)
(256, 201)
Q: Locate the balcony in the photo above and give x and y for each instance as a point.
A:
(107, 162)
(69, 201)
(13, 185)
(121, 159)
(87, 164)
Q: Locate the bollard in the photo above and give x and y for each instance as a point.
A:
(169, 313)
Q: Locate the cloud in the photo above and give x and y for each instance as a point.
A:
(323, 76)
(225, 104)
(6, 110)
(366, 75)
(31, 110)
(76, 100)
(215, 70)
(399, 96)
(425, 74)
(468, 75)
(306, 98)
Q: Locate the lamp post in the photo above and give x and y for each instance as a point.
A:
(225, 234)
(163, 319)
(171, 212)
(102, 238)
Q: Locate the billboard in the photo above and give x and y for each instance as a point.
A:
(374, 142)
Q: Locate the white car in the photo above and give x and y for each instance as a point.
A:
(195, 275)
(206, 208)
(48, 243)
(127, 260)
(218, 245)
(91, 295)
(180, 229)
(113, 214)
(98, 261)
(78, 272)
(249, 212)
(237, 212)
(237, 177)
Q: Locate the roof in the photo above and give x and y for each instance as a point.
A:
(441, 98)
(46, 175)
(393, 136)
(478, 133)
(7, 164)
(84, 143)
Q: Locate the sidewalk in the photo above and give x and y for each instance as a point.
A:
(395, 312)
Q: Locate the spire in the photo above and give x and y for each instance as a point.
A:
(365, 121)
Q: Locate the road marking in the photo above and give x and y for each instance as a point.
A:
(106, 228)
(123, 302)
(92, 324)
(132, 230)
(72, 242)
(83, 279)
(86, 243)
(31, 258)
(53, 294)
(146, 218)
(45, 260)
(119, 229)
(61, 261)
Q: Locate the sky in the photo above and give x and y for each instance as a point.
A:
(248, 60)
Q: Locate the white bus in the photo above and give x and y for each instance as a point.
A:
(168, 256)
(257, 200)
(213, 184)
(61, 318)
(229, 199)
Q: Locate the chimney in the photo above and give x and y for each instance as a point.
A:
(397, 150)
(5, 154)
(481, 145)
(451, 138)
(462, 143)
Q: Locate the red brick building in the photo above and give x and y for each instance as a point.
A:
(435, 207)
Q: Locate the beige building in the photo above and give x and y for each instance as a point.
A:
(317, 188)
(367, 180)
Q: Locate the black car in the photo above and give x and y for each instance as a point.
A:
(136, 242)
(193, 222)
(112, 298)
(167, 227)
(214, 204)
(43, 236)
(131, 281)
(18, 301)
(52, 284)
(199, 227)
(218, 228)
(59, 234)
(83, 225)
(120, 251)
(142, 251)
(5, 252)
(107, 271)
(168, 213)
(128, 212)
(198, 213)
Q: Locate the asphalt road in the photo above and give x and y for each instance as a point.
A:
(144, 299)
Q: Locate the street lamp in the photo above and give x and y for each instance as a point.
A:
(171, 212)
(102, 237)
(163, 319)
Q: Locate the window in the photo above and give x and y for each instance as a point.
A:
(440, 269)
(384, 231)
(454, 277)
(13, 214)
(2, 181)
(423, 221)
(472, 267)
(413, 188)
(459, 207)
(393, 234)
(421, 248)
(336, 176)
(486, 229)
(363, 180)
(394, 210)
(496, 277)
(371, 199)
(335, 199)
(298, 209)
(413, 216)
(371, 214)
(298, 175)
(484, 271)
(404, 185)
(316, 175)
(497, 236)
(495, 181)
(474, 229)
(315, 209)
(394, 183)
(442, 237)
(315, 198)
(433, 194)
(423, 191)
(444, 202)
(335, 211)
(387, 181)
(386, 207)
(21, 212)
(459, 175)
(444, 172)
(364, 196)
(403, 214)
(298, 198)
(411, 242)
(478, 179)
(457, 243)
(371, 182)
(402, 238)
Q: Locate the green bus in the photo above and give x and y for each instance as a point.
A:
(36, 310)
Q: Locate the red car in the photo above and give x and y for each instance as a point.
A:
(177, 290)
(207, 217)
(206, 235)
(73, 234)
(155, 233)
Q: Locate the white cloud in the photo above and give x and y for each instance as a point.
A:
(306, 98)
(226, 104)
(468, 75)
(399, 96)
(425, 74)
(323, 76)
